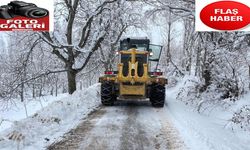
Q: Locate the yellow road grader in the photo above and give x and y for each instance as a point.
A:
(137, 75)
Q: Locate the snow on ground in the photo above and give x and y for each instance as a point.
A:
(205, 131)
(17, 112)
(128, 125)
(51, 122)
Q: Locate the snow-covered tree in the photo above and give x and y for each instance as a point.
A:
(81, 28)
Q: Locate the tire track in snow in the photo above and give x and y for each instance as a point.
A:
(173, 140)
(133, 135)
(73, 138)
(107, 131)
(133, 125)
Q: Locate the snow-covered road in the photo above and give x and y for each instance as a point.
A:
(128, 125)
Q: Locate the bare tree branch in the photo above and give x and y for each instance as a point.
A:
(97, 45)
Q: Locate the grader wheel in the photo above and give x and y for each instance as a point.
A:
(157, 96)
(107, 96)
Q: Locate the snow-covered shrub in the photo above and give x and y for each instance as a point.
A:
(188, 90)
(172, 81)
(229, 74)
(241, 118)
(191, 93)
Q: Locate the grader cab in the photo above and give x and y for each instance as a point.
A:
(137, 75)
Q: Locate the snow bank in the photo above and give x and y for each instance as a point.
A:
(207, 130)
(17, 112)
(208, 117)
(51, 122)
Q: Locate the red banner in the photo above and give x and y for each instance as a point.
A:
(222, 15)
(24, 24)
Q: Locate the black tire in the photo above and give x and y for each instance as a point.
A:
(157, 95)
(107, 97)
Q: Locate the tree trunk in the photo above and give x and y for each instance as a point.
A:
(197, 66)
(249, 75)
(33, 90)
(56, 86)
(169, 38)
(168, 45)
(22, 92)
(71, 81)
(41, 90)
(52, 91)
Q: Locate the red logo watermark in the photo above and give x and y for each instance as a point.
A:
(223, 15)
(26, 15)
(25, 24)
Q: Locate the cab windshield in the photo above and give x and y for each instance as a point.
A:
(155, 51)
(139, 44)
